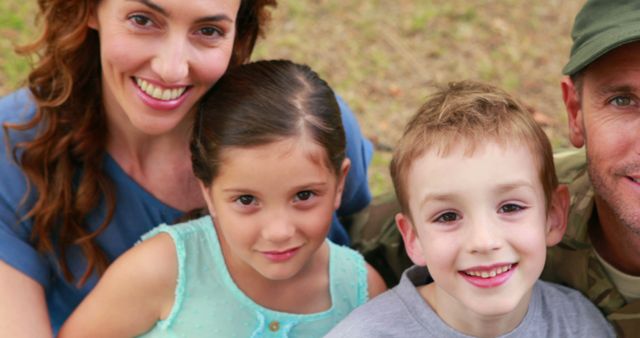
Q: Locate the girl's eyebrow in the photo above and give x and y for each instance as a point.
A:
(158, 8)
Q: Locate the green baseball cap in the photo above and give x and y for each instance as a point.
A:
(600, 26)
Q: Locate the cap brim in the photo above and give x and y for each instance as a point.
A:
(599, 46)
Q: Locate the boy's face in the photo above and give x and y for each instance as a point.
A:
(478, 222)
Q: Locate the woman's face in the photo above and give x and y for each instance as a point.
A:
(159, 57)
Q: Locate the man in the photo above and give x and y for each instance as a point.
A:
(600, 253)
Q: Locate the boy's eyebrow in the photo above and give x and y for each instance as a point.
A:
(504, 187)
(161, 10)
(432, 197)
(500, 188)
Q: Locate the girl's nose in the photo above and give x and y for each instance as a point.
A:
(278, 228)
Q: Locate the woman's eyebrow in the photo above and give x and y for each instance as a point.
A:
(158, 8)
(152, 5)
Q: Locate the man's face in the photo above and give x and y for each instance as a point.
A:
(606, 118)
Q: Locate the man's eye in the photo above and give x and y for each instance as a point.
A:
(621, 101)
(448, 217)
(246, 199)
(509, 208)
(304, 195)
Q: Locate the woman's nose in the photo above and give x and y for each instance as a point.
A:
(171, 63)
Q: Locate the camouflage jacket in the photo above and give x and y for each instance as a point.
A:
(573, 261)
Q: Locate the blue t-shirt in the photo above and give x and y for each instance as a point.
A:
(136, 212)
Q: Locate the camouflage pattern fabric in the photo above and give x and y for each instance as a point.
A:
(573, 262)
(375, 235)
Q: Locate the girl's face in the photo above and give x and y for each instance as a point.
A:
(272, 206)
(159, 57)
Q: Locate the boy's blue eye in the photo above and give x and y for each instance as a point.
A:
(448, 217)
(246, 199)
(510, 207)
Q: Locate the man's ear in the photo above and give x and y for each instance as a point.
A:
(206, 192)
(572, 104)
(411, 241)
(342, 178)
(557, 215)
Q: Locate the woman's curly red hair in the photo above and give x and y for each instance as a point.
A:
(64, 161)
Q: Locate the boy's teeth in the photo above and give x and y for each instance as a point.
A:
(159, 93)
(488, 274)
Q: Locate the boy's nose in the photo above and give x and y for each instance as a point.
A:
(483, 237)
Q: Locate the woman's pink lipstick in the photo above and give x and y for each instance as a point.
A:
(158, 104)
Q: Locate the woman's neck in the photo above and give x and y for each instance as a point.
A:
(161, 164)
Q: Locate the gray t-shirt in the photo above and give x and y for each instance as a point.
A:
(554, 311)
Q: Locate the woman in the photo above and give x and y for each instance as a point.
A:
(100, 141)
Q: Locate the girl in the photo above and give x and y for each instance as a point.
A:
(96, 151)
(268, 149)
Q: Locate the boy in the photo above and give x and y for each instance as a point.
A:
(480, 202)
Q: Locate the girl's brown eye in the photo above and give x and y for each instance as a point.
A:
(303, 195)
(246, 199)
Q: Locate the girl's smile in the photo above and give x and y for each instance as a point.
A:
(281, 256)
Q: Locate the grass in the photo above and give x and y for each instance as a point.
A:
(383, 57)
(16, 27)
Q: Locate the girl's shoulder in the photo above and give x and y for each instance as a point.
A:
(142, 262)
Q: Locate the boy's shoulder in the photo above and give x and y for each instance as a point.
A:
(395, 312)
(566, 311)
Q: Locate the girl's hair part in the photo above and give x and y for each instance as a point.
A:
(264, 102)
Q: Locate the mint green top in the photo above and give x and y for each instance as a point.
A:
(209, 304)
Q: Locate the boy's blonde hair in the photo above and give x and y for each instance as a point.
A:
(470, 114)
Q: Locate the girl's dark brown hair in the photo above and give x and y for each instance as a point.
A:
(64, 162)
(263, 102)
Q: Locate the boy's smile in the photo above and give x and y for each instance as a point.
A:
(489, 276)
(479, 223)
